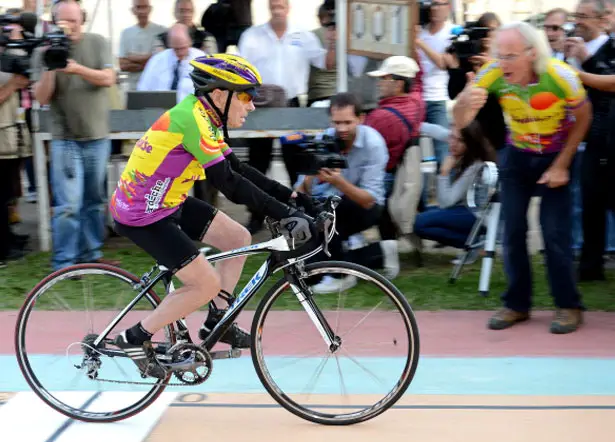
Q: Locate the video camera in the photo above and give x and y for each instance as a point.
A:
(569, 29)
(467, 41)
(55, 57)
(315, 154)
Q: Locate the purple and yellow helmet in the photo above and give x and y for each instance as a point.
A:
(224, 71)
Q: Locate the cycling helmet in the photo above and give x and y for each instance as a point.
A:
(226, 72)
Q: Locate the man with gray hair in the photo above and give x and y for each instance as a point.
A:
(547, 116)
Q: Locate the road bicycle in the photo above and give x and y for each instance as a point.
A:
(320, 324)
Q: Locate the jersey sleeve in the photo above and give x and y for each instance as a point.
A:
(489, 77)
(202, 139)
(570, 84)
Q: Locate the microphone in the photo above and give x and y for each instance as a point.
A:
(457, 30)
(296, 138)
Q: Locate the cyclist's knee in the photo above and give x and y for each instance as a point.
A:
(201, 277)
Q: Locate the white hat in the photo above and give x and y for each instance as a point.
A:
(397, 65)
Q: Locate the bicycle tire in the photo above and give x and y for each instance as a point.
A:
(34, 383)
(329, 419)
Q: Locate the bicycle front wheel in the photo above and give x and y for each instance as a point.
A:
(375, 347)
(54, 343)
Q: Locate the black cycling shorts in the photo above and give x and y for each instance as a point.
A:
(170, 241)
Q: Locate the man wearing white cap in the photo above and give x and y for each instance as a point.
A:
(398, 118)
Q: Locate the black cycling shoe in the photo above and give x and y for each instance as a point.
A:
(143, 356)
(235, 336)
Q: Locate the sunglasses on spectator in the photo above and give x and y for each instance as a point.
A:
(553, 28)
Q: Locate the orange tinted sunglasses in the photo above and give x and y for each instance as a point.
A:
(245, 97)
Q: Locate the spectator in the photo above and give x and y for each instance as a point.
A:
(283, 55)
(138, 42)
(14, 146)
(451, 222)
(322, 83)
(595, 53)
(432, 42)
(361, 187)
(398, 119)
(490, 117)
(79, 111)
(543, 145)
(554, 28)
(227, 20)
(184, 14)
(170, 69)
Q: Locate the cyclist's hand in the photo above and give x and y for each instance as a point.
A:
(298, 226)
(305, 201)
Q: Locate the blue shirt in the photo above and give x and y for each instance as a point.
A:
(367, 161)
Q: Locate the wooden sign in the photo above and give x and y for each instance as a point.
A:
(381, 28)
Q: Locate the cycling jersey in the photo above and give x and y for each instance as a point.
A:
(538, 116)
(166, 162)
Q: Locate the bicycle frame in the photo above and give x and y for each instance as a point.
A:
(275, 262)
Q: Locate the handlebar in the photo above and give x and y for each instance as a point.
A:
(324, 221)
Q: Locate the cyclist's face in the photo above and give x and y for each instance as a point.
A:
(241, 105)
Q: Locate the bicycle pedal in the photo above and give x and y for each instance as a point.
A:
(233, 353)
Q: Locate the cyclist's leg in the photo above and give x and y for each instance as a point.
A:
(202, 222)
(174, 249)
(227, 234)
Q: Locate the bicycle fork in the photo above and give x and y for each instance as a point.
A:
(300, 288)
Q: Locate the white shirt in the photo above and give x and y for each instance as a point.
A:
(138, 40)
(158, 73)
(284, 62)
(435, 80)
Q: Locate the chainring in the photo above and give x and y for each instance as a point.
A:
(201, 368)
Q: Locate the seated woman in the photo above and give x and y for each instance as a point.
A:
(451, 222)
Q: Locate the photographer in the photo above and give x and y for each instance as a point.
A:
(490, 117)
(79, 123)
(361, 184)
(594, 51)
(14, 145)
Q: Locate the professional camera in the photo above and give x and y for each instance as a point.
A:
(55, 57)
(467, 41)
(314, 154)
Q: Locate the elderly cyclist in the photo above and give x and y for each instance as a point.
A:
(150, 205)
(548, 114)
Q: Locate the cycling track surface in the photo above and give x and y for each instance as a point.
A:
(521, 384)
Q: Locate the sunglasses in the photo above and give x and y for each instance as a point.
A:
(246, 96)
(553, 28)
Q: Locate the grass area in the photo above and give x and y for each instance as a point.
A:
(426, 288)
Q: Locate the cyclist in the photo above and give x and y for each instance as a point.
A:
(150, 205)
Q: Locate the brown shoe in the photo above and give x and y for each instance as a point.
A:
(566, 321)
(505, 318)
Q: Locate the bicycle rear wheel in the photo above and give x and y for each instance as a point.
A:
(55, 332)
(303, 373)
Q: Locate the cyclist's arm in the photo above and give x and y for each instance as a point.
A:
(210, 153)
(240, 190)
(272, 187)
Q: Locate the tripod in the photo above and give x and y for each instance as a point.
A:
(487, 222)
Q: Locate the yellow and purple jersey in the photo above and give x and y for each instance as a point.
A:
(538, 116)
(166, 161)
